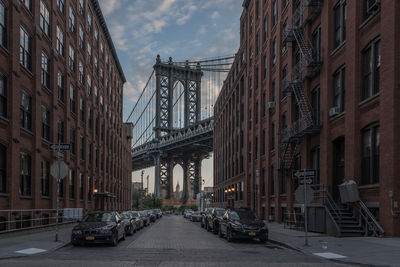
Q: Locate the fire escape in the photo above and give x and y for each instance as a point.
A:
(308, 64)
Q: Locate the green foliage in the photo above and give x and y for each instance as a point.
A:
(141, 201)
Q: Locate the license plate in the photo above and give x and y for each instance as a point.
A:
(90, 238)
(252, 233)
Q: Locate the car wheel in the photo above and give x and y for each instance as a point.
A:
(208, 227)
(264, 239)
(202, 224)
(228, 235)
(131, 230)
(75, 244)
(215, 229)
(220, 233)
(115, 240)
(123, 236)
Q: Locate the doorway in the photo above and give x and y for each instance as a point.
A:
(338, 166)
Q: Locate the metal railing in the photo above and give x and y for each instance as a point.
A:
(15, 220)
(369, 221)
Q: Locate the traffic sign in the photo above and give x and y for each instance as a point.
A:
(306, 181)
(304, 173)
(304, 196)
(59, 169)
(60, 147)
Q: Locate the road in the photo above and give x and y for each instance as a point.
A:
(172, 241)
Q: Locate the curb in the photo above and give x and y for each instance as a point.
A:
(288, 246)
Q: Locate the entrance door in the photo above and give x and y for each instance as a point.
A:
(338, 166)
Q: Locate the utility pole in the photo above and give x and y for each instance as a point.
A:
(142, 179)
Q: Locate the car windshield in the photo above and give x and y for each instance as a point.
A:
(125, 215)
(240, 215)
(99, 217)
(220, 212)
(196, 212)
(135, 214)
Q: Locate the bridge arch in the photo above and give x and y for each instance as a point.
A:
(178, 104)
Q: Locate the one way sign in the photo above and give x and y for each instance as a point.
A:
(304, 173)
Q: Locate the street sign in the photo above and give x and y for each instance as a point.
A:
(304, 173)
(59, 169)
(304, 196)
(306, 181)
(60, 147)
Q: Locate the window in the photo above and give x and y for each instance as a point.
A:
(272, 181)
(3, 96)
(60, 86)
(60, 41)
(285, 29)
(90, 118)
(251, 25)
(96, 37)
(282, 184)
(26, 111)
(264, 136)
(315, 105)
(371, 63)
(60, 131)
(339, 89)
(89, 21)
(27, 4)
(265, 29)
(81, 37)
(82, 7)
(370, 8)
(275, 13)
(265, 67)
(81, 183)
(370, 155)
(71, 184)
(89, 53)
(273, 93)
(72, 101)
(3, 169)
(90, 153)
(89, 188)
(81, 72)
(316, 44)
(82, 147)
(3, 28)
(284, 123)
(61, 5)
(264, 105)
(257, 43)
(82, 109)
(71, 19)
(45, 123)
(262, 182)
(315, 163)
(71, 59)
(102, 50)
(274, 52)
(44, 18)
(96, 66)
(340, 23)
(45, 178)
(72, 140)
(251, 56)
(272, 136)
(25, 175)
(45, 73)
(25, 49)
(89, 85)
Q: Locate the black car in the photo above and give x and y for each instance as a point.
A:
(204, 215)
(99, 227)
(158, 213)
(129, 222)
(152, 215)
(242, 223)
(212, 223)
(145, 217)
(138, 220)
(195, 217)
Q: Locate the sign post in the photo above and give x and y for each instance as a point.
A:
(59, 170)
(305, 178)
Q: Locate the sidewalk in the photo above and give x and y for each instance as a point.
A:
(22, 243)
(358, 250)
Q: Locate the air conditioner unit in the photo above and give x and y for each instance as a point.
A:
(334, 111)
(271, 105)
(373, 5)
(129, 130)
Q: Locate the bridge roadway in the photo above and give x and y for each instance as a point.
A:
(196, 140)
(173, 241)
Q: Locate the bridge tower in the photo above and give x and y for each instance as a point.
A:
(168, 74)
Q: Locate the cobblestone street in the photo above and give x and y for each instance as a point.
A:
(173, 241)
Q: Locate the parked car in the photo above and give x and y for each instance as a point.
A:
(187, 213)
(129, 222)
(212, 223)
(244, 224)
(204, 215)
(138, 220)
(195, 217)
(159, 213)
(99, 227)
(145, 217)
(152, 215)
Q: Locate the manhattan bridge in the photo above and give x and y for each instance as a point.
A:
(173, 121)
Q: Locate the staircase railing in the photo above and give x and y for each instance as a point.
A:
(371, 224)
(332, 208)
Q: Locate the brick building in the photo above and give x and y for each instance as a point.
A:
(61, 82)
(315, 85)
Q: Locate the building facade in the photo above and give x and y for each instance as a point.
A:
(315, 85)
(61, 82)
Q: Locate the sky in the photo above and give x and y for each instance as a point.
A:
(181, 29)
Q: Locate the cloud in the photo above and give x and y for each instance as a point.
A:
(215, 15)
(109, 6)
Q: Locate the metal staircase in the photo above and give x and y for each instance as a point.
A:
(293, 82)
